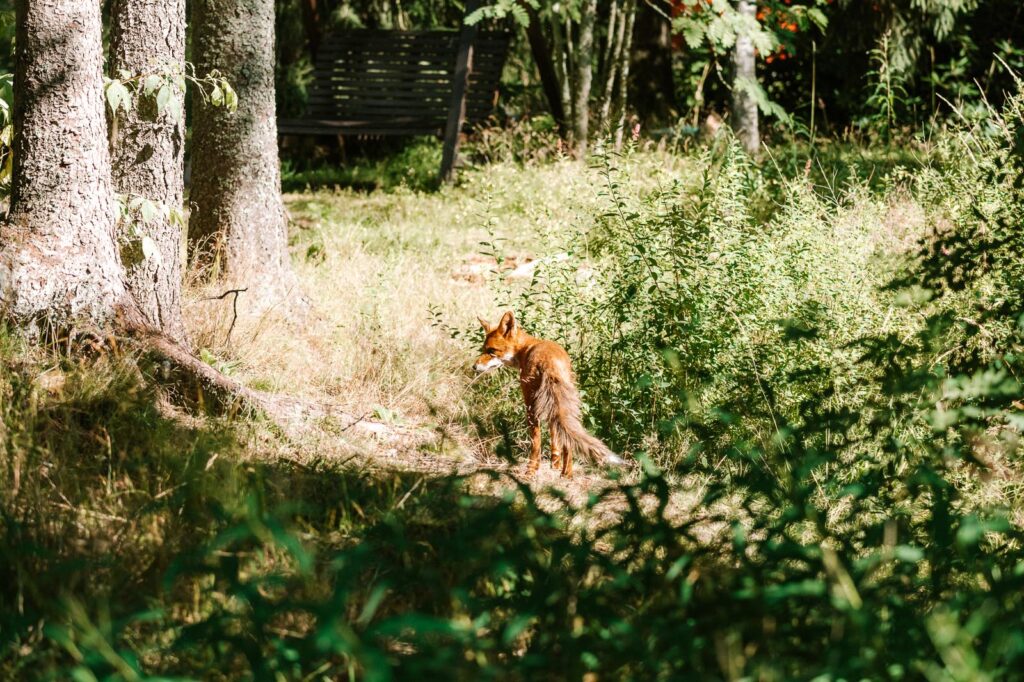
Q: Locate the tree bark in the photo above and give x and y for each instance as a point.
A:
(58, 261)
(546, 67)
(610, 63)
(238, 225)
(59, 264)
(653, 85)
(562, 67)
(622, 99)
(148, 154)
(744, 106)
(584, 76)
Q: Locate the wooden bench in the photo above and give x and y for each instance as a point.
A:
(382, 82)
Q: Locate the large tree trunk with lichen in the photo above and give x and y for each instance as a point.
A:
(148, 149)
(238, 226)
(744, 105)
(59, 263)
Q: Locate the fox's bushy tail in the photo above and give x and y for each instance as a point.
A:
(558, 404)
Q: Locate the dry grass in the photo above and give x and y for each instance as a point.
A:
(376, 267)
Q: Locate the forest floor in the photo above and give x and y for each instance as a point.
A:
(396, 279)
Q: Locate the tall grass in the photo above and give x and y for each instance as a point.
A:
(839, 365)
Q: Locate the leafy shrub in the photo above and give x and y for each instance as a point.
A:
(855, 538)
(678, 307)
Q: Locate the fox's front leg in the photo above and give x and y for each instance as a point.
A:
(534, 425)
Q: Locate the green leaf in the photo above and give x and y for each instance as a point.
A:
(151, 83)
(476, 16)
(818, 17)
(82, 674)
(520, 15)
(150, 251)
(372, 604)
(230, 97)
(908, 553)
(693, 34)
(516, 626)
(164, 97)
(149, 210)
(118, 96)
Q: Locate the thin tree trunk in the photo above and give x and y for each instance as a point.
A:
(653, 85)
(613, 58)
(622, 101)
(606, 65)
(744, 106)
(238, 224)
(148, 154)
(584, 77)
(563, 37)
(312, 25)
(548, 73)
(58, 262)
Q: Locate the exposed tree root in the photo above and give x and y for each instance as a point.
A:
(214, 391)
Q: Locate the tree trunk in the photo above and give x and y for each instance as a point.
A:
(148, 154)
(546, 67)
(610, 63)
(744, 106)
(653, 85)
(311, 23)
(238, 226)
(562, 68)
(59, 264)
(622, 100)
(58, 261)
(584, 76)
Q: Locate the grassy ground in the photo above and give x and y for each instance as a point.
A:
(111, 495)
(390, 274)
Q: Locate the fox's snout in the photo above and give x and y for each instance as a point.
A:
(482, 365)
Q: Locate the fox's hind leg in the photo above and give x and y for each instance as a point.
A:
(567, 463)
(534, 425)
(556, 451)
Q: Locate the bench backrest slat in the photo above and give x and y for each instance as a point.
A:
(387, 79)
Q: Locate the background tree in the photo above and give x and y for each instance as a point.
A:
(744, 59)
(578, 39)
(653, 84)
(238, 227)
(148, 145)
(58, 261)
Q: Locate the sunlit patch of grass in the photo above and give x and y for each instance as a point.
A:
(380, 268)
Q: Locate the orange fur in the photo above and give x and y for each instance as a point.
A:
(549, 391)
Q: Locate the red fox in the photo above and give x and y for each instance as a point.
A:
(545, 375)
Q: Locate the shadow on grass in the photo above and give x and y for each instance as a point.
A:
(120, 524)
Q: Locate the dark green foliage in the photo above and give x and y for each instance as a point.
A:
(846, 527)
(411, 163)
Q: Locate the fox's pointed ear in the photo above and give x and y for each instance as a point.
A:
(508, 323)
(483, 323)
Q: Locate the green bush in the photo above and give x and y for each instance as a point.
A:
(856, 535)
(679, 308)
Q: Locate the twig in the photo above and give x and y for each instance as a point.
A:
(356, 421)
(401, 502)
(234, 307)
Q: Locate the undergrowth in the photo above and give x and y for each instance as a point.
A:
(842, 368)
